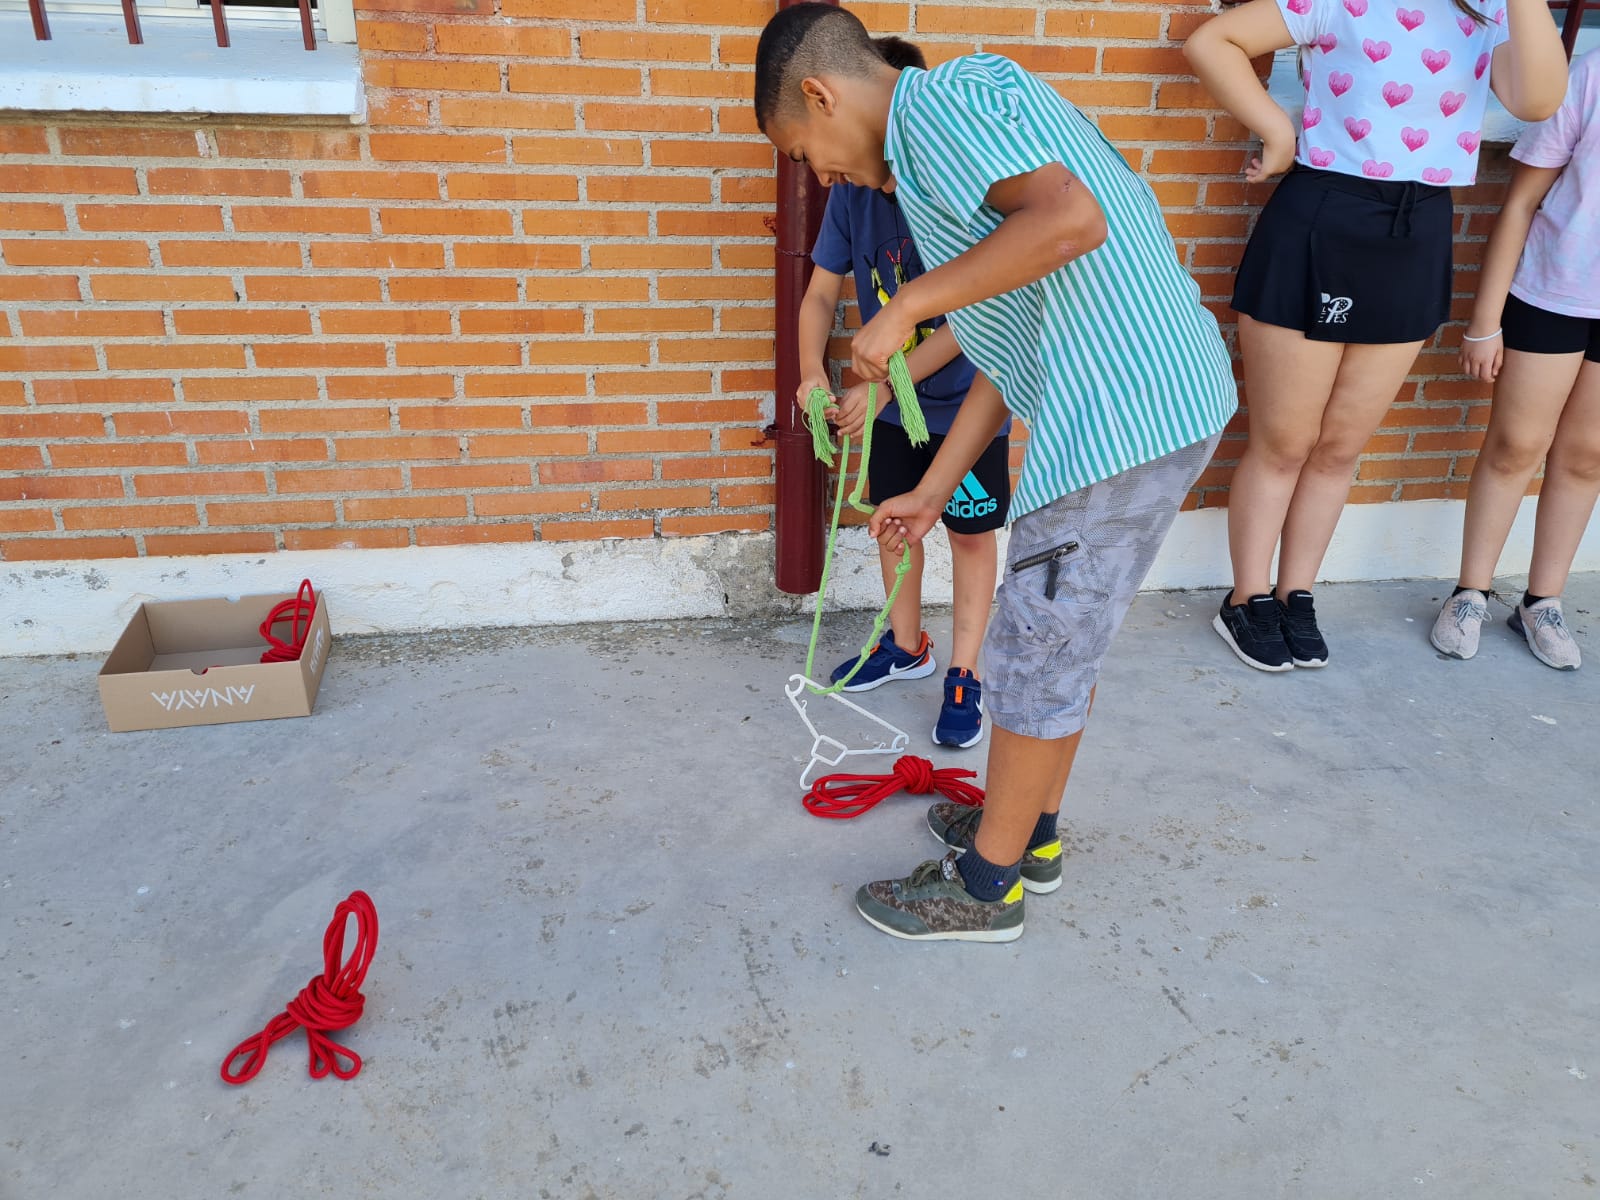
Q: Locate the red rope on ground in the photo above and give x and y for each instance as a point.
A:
(840, 797)
(304, 605)
(332, 1000)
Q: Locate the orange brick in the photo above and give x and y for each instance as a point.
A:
(630, 45)
(271, 512)
(648, 118)
(1197, 162)
(17, 139)
(715, 523)
(21, 458)
(743, 381)
(161, 286)
(713, 287)
(437, 147)
(405, 508)
(651, 499)
(370, 185)
(611, 470)
(407, 321)
(379, 538)
(230, 254)
(433, 76)
(150, 218)
(651, 382)
(712, 154)
(1402, 468)
(707, 412)
(1184, 93)
(300, 218)
(461, 416)
(517, 256)
(478, 385)
(378, 256)
(506, 113)
(392, 37)
(94, 181)
(415, 448)
(45, 549)
(457, 7)
(1097, 94)
(698, 350)
(527, 445)
(216, 181)
(46, 252)
(390, 386)
(180, 421)
(485, 475)
(446, 289)
(651, 320)
(175, 356)
(549, 80)
(744, 190)
(578, 151)
(322, 420)
(60, 487)
(224, 322)
(723, 84)
(261, 450)
(93, 322)
(518, 504)
(655, 256)
(26, 520)
(746, 495)
(450, 535)
(522, 320)
(754, 13)
(587, 352)
(458, 354)
(157, 544)
(120, 141)
(311, 355)
(522, 186)
(457, 222)
(388, 110)
(585, 415)
(1433, 491)
(52, 425)
(124, 516)
(301, 289)
(658, 189)
(43, 218)
(502, 41)
(1143, 127)
(574, 531)
(1463, 439)
(204, 390)
(559, 222)
(733, 466)
(339, 479)
(571, 10)
(39, 287)
(201, 483)
(616, 289)
(103, 391)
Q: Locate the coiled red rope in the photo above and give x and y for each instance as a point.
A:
(303, 606)
(332, 1000)
(840, 797)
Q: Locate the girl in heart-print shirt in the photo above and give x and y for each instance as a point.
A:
(1348, 270)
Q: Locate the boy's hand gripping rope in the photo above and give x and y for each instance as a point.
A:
(332, 1000)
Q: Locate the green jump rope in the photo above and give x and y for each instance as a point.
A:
(911, 419)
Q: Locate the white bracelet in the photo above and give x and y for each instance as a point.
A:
(1488, 337)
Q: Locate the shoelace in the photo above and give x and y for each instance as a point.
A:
(1467, 608)
(932, 869)
(1546, 618)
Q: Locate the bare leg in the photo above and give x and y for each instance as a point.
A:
(905, 618)
(1571, 483)
(973, 563)
(1369, 377)
(1026, 777)
(1528, 398)
(1288, 379)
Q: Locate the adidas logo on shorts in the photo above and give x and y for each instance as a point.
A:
(970, 500)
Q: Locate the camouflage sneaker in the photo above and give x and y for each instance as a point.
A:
(957, 824)
(1455, 632)
(932, 904)
(1545, 627)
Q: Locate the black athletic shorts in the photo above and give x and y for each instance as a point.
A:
(980, 503)
(1535, 330)
(1344, 259)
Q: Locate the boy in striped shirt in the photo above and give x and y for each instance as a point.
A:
(1051, 259)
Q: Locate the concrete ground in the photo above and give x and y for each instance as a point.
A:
(1332, 934)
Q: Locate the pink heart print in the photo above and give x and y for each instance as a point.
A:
(1410, 18)
(1357, 129)
(1377, 170)
(1321, 158)
(1300, 7)
(1396, 94)
(1327, 43)
(1415, 139)
(1450, 103)
(1499, 16)
(1483, 65)
(1340, 82)
(1436, 175)
(1467, 25)
(1311, 118)
(1468, 142)
(1376, 51)
(1436, 60)
(1356, 8)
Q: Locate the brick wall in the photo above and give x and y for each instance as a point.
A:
(529, 300)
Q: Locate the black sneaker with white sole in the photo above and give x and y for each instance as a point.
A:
(1254, 631)
(1298, 617)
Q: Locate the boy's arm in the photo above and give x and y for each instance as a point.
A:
(1529, 74)
(1050, 218)
(909, 517)
(817, 309)
(1481, 359)
(1220, 52)
(937, 350)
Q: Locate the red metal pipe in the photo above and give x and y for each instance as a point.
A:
(800, 482)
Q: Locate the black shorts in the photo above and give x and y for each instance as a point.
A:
(1535, 330)
(1350, 260)
(980, 503)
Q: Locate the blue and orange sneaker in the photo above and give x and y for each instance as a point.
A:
(961, 718)
(888, 662)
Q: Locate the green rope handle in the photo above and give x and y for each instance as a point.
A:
(822, 446)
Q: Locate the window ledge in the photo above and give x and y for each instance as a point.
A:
(88, 66)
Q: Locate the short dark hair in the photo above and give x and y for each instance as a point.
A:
(803, 41)
(900, 54)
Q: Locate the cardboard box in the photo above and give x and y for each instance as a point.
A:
(198, 662)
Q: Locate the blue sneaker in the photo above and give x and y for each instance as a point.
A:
(886, 663)
(961, 718)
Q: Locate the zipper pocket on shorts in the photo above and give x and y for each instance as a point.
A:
(1054, 558)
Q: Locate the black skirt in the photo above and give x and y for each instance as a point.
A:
(1344, 259)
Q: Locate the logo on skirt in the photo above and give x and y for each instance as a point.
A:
(1335, 309)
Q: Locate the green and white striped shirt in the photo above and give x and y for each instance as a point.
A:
(1111, 360)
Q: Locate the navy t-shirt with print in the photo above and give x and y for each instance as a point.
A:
(863, 232)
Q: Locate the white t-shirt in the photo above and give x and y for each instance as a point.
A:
(1394, 92)
(1560, 265)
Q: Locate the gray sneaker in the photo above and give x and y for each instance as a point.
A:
(957, 824)
(1545, 627)
(932, 904)
(1456, 631)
